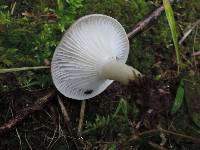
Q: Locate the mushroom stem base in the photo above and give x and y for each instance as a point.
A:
(121, 72)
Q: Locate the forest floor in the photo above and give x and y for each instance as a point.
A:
(160, 111)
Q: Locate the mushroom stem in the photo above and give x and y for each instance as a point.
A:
(121, 72)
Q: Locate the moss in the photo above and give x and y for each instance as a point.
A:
(127, 12)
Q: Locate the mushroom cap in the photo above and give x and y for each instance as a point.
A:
(85, 47)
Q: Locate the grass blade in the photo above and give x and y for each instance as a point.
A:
(179, 98)
(172, 24)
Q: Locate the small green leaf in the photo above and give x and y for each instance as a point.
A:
(157, 77)
(122, 108)
(179, 98)
(112, 146)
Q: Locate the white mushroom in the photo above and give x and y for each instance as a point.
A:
(91, 54)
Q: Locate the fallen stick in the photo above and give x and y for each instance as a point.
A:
(156, 146)
(82, 113)
(23, 69)
(153, 131)
(140, 26)
(67, 120)
(189, 30)
(25, 112)
(196, 53)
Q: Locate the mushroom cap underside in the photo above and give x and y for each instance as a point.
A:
(85, 47)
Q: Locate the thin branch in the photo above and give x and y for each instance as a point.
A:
(13, 7)
(25, 112)
(195, 140)
(64, 111)
(67, 120)
(189, 30)
(153, 131)
(156, 146)
(196, 54)
(140, 26)
(82, 114)
(22, 69)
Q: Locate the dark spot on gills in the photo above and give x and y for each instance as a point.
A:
(88, 92)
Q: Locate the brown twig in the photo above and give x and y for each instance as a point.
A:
(67, 120)
(189, 30)
(25, 112)
(64, 111)
(196, 54)
(82, 112)
(156, 146)
(13, 7)
(195, 140)
(152, 131)
(140, 26)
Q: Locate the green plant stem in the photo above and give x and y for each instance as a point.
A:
(22, 69)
